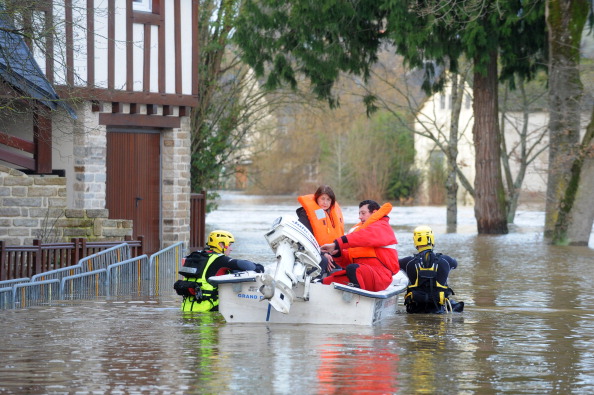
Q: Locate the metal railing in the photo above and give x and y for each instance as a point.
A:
(90, 285)
(101, 260)
(14, 281)
(109, 273)
(25, 261)
(164, 268)
(6, 299)
(36, 294)
(131, 277)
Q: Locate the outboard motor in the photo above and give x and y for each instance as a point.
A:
(298, 261)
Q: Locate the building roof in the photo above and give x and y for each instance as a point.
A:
(19, 68)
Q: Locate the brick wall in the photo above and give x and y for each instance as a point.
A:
(34, 207)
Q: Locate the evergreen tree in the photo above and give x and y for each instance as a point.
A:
(321, 39)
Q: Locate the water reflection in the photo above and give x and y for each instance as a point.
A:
(528, 328)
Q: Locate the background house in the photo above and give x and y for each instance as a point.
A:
(126, 69)
(434, 119)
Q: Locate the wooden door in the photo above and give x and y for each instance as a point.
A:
(134, 183)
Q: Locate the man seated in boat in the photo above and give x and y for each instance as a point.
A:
(428, 273)
(200, 295)
(368, 252)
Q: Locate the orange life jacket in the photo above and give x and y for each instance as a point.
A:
(327, 225)
(369, 252)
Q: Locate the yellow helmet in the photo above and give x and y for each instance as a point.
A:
(220, 236)
(423, 238)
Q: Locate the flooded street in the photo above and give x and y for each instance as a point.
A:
(528, 327)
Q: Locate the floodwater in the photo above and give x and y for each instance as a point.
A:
(528, 328)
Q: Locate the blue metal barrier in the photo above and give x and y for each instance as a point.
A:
(104, 274)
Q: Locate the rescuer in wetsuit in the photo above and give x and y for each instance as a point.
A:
(200, 295)
(428, 273)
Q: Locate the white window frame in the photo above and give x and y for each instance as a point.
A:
(142, 5)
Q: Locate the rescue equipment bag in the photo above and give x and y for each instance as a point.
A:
(188, 288)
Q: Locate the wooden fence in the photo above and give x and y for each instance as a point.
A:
(197, 220)
(26, 261)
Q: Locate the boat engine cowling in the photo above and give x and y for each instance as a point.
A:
(298, 260)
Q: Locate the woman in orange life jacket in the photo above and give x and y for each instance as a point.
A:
(321, 214)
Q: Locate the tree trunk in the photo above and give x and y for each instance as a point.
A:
(489, 204)
(576, 214)
(458, 82)
(508, 177)
(565, 22)
(582, 218)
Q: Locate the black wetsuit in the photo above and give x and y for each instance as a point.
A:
(428, 293)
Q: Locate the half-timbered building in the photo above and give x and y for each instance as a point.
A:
(126, 70)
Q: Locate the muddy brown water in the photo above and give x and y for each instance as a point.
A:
(528, 328)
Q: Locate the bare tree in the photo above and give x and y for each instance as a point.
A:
(233, 107)
(524, 149)
(431, 127)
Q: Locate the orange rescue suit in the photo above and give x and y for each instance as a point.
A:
(369, 252)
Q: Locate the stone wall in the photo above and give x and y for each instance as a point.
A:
(90, 155)
(175, 184)
(34, 207)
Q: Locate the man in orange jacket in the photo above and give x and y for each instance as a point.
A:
(368, 252)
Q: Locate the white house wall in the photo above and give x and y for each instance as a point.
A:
(138, 52)
(100, 31)
(186, 45)
(60, 64)
(154, 59)
(433, 117)
(79, 43)
(100, 48)
(536, 177)
(170, 49)
(120, 48)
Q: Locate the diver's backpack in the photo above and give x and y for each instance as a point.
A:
(192, 269)
(194, 264)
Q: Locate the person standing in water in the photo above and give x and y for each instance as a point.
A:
(428, 273)
(198, 294)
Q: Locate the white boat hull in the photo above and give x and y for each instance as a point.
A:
(240, 301)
